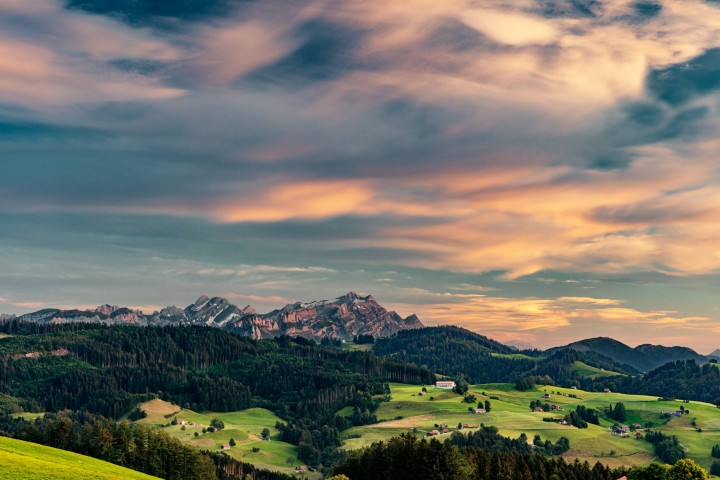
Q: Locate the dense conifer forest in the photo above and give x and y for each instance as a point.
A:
(408, 457)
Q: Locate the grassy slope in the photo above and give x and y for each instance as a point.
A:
(243, 426)
(585, 370)
(512, 416)
(28, 461)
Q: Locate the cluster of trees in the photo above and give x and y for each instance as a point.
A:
(538, 403)
(581, 416)
(364, 339)
(683, 470)
(408, 457)
(618, 413)
(667, 447)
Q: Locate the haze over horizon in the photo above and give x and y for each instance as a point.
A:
(537, 171)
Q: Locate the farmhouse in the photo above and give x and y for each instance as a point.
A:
(479, 410)
(445, 384)
(432, 433)
(547, 395)
(538, 409)
(555, 407)
(606, 390)
(620, 429)
(225, 447)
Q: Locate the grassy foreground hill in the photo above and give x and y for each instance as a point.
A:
(29, 461)
(510, 413)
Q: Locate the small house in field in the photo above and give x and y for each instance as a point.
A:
(182, 422)
(554, 407)
(547, 395)
(476, 425)
(422, 394)
(479, 410)
(432, 433)
(445, 430)
(606, 390)
(620, 430)
(636, 426)
(538, 409)
(225, 447)
(443, 425)
(445, 384)
(465, 425)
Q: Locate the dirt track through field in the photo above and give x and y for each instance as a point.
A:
(405, 422)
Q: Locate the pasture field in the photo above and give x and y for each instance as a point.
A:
(586, 370)
(510, 413)
(29, 461)
(244, 427)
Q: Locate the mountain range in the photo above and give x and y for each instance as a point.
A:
(342, 318)
(348, 316)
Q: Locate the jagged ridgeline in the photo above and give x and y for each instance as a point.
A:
(342, 318)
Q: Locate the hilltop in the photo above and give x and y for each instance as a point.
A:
(643, 357)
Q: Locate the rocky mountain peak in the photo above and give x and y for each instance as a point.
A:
(202, 300)
(106, 309)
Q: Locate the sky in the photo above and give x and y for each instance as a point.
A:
(537, 171)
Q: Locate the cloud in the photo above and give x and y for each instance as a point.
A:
(681, 82)
(547, 136)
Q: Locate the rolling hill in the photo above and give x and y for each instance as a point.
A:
(455, 351)
(21, 460)
(643, 357)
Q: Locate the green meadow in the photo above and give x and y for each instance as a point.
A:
(29, 461)
(510, 413)
(244, 427)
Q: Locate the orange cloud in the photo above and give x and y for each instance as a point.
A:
(308, 199)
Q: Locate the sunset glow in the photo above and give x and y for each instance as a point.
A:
(534, 171)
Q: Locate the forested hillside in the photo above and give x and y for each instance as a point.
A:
(682, 379)
(108, 370)
(455, 351)
(642, 358)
